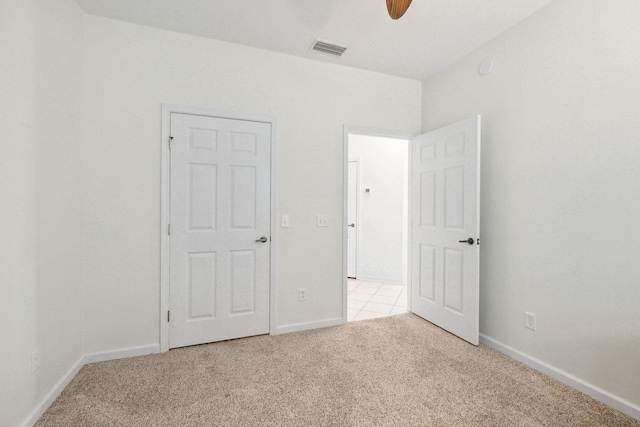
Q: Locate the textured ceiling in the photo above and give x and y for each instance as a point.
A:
(429, 37)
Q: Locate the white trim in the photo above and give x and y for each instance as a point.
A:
(345, 221)
(356, 160)
(384, 133)
(409, 216)
(165, 210)
(305, 326)
(273, 289)
(121, 354)
(589, 389)
(478, 200)
(53, 394)
(579, 384)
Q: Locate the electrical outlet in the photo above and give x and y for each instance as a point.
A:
(530, 320)
(285, 221)
(323, 220)
(302, 294)
(35, 360)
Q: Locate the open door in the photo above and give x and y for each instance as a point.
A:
(445, 228)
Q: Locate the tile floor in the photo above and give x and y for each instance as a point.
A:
(368, 300)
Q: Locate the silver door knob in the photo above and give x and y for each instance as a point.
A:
(351, 225)
(263, 239)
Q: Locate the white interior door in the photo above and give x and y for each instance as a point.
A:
(220, 229)
(445, 226)
(352, 220)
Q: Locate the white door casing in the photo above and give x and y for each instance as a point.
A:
(220, 206)
(445, 200)
(352, 219)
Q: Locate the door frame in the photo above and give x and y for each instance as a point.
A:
(385, 133)
(356, 160)
(165, 208)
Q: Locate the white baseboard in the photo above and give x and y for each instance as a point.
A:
(85, 360)
(53, 394)
(121, 354)
(589, 389)
(297, 327)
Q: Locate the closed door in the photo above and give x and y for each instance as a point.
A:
(445, 228)
(352, 220)
(220, 229)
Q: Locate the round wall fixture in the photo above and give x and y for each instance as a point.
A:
(486, 67)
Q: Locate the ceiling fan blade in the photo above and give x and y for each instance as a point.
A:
(397, 8)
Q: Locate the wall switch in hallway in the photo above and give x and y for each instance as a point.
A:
(323, 220)
(530, 320)
(302, 294)
(285, 221)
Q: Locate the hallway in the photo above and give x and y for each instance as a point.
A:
(369, 300)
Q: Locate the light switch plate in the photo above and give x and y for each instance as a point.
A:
(323, 220)
(285, 221)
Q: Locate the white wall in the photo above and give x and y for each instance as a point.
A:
(560, 185)
(40, 245)
(382, 220)
(560, 181)
(130, 71)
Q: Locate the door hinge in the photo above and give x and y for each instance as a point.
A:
(170, 140)
(168, 316)
(169, 229)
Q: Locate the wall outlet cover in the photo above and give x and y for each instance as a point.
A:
(530, 320)
(323, 220)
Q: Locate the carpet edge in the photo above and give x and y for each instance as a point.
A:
(591, 390)
(53, 394)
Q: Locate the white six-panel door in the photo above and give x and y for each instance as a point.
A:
(219, 213)
(444, 215)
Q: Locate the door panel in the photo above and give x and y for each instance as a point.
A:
(201, 286)
(243, 197)
(220, 208)
(202, 197)
(243, 281)
(446, 200)
(427, 275)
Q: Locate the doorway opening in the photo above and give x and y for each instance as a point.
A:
(444, 228)
(377, 214)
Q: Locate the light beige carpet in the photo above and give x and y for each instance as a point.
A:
(397, 371)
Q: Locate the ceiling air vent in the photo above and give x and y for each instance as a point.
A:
(328, 48)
